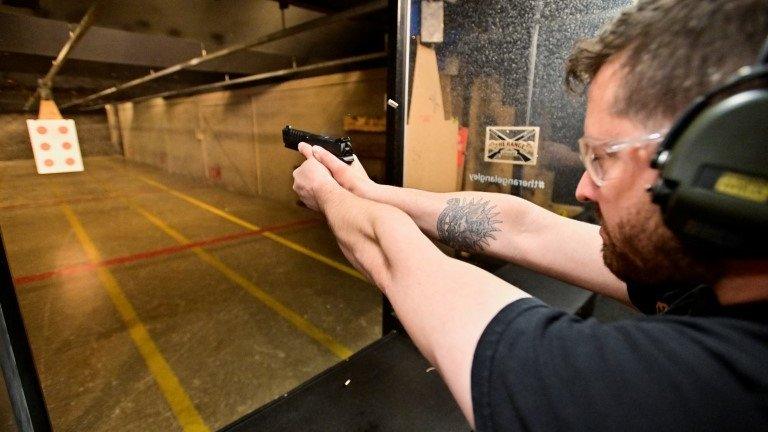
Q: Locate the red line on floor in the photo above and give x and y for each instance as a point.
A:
(83, 267)
(74, 200)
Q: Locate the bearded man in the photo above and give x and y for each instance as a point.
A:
(698, 361)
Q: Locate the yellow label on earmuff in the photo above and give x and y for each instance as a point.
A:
(742, 186)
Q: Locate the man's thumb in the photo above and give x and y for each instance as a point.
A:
(327, 158)
(305, 149)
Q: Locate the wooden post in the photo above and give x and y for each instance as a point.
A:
(48, 110)
(431, 141)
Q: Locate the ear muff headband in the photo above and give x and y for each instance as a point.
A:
(713, 186)
(744, 76)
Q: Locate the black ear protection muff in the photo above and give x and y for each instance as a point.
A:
(713, 163)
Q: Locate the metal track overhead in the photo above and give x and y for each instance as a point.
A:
(251, 79)
(46, 83)
(364, 9)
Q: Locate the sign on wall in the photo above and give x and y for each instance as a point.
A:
(517, 145)
(55, 146)
(432, 21)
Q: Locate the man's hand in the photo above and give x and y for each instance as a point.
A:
(312, 181)
(352, 177)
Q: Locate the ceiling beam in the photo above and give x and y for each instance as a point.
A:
(24, 34)
(46, 83)
(364, 9)
(253, 79)
(306, 5)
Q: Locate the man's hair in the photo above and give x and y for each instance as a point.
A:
(672, 51)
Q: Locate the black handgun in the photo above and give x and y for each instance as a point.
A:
(339, 147)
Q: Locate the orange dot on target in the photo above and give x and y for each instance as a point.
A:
(70, 161)
(63, 129)
(45, 146)
(48, 162)
(66, 145)
(42, 130)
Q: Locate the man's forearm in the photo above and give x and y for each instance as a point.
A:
(447, 216)
(427, 289)
(509, 228)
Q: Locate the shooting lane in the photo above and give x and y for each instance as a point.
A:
(175, 283)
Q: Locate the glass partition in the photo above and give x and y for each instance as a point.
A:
(491, 73)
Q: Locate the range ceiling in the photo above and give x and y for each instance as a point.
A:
(132, 39)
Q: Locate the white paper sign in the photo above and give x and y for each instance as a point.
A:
(55, 145)
(431, 21)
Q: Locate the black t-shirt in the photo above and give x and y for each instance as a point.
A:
(539, 369)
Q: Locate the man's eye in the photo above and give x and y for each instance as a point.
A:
(604, 155)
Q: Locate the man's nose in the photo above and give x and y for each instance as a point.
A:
(587, 189)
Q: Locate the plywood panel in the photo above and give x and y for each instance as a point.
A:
(147, 135)
(125, 120)
(233, 138)
(430, 140)
(183, 143)
(228, 145)
(315, 104)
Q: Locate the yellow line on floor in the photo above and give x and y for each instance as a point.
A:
(166, 379)
(289, 315)
(247, 225)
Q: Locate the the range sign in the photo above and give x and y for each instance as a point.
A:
(512, 144)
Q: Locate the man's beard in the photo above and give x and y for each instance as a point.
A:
(642, 250)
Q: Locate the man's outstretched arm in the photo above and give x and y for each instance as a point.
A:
(499, 225)
(444, 304)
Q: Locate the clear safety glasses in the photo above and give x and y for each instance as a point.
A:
(600, 156)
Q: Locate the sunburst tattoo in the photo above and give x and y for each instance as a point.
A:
(468, 225)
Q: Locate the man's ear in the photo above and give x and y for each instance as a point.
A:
(647, 174)
(645, 153)
(641, 156)
(638, 160)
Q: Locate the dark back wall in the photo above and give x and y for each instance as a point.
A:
(92, 131)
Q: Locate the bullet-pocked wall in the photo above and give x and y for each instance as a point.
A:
(233, 138)
(501, 68)
(92, 132)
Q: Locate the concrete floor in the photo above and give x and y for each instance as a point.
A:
(167, 335)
